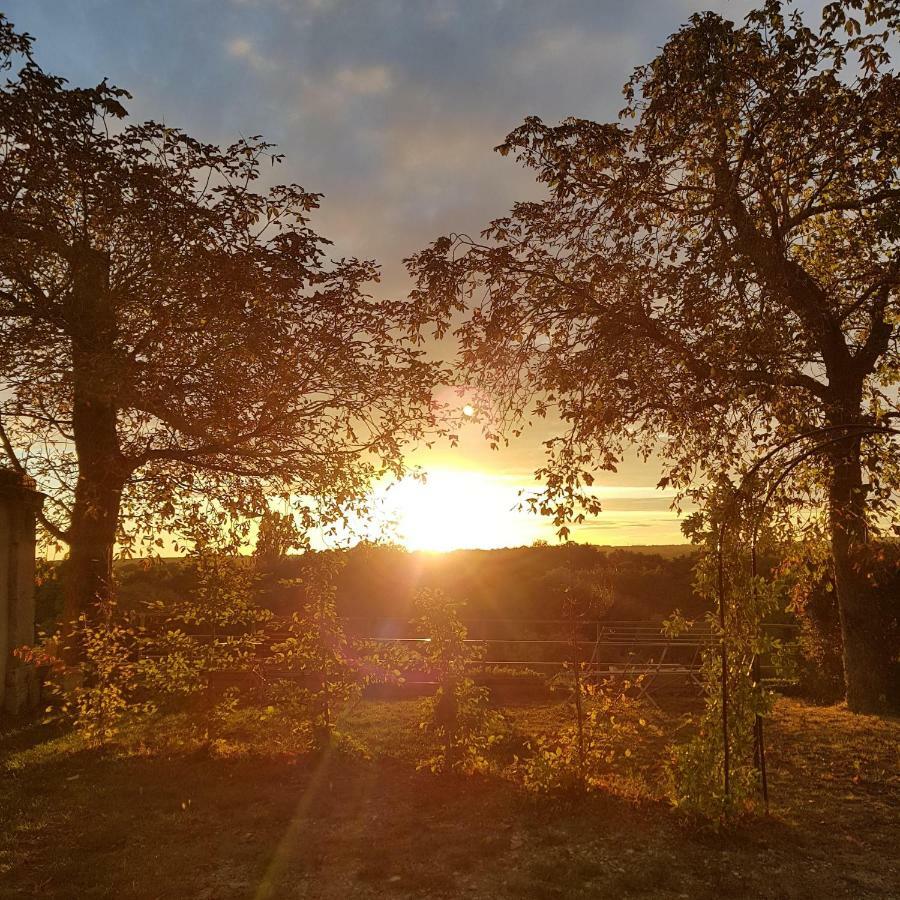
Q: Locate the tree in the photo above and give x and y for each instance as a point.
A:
(585, 596)
(277, 536)
(458, 713)
(175, 344)
(711, 277)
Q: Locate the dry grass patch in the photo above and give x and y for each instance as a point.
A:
(128, 824)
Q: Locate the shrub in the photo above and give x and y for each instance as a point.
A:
(459, 715)
(581, 755)
(819, 660)
(819, 663)
(105, 692)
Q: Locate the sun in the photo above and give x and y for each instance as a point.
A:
(456, 509)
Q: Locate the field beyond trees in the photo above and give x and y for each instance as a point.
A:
(156, 816)
(380, 580)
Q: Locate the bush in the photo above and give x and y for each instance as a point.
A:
(318, 653)
(105, 692)
(459, 716)
(581, 755)
(819, 665)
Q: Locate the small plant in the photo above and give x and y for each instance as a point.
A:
(696, 771)
(126, 671)
(318, 656)
(584, 596)
(581, 756)
(223, 599)
(104, 694)
(605, 723)
(275, 719)
(459, 714)
(716, 774)
(215, 627)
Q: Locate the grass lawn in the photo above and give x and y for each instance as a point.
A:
(142, 823)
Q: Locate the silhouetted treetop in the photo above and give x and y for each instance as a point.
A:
(175, 341)
(711, 276)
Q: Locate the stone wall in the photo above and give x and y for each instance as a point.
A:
(19, 504)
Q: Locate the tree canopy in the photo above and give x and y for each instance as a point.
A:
(711, 277)
(175, 342)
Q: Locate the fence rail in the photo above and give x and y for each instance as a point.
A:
(637, 651)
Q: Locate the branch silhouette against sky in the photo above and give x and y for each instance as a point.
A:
(391, 109)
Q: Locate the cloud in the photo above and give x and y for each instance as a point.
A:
(332, 92)
(315, 91)
(243, 49)
(574, 47)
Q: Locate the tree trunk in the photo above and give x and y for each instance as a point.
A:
(92, 536)
(867, 661)
(101, 467)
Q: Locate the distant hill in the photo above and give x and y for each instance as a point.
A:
(666, 551)
(378, 581)
(511, 583)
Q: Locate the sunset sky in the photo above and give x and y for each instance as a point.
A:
(391, 109)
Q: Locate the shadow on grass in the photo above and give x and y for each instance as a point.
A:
(93, 823)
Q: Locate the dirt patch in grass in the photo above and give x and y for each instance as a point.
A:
(75, 823)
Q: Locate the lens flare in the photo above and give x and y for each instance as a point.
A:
(457, 508)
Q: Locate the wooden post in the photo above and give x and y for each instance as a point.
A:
(19, 503)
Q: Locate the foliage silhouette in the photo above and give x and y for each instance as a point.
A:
(712, 276)
(175, 344)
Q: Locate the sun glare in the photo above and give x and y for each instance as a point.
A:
(457, 508)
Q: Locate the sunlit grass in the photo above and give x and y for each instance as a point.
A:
(165, 814)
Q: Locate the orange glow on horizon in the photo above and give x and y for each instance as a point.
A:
(456, 509)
